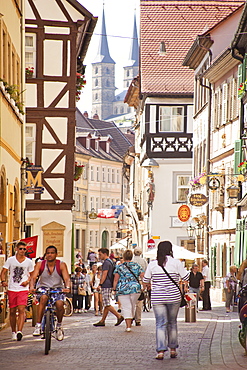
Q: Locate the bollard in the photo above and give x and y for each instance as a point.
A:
(190, 309)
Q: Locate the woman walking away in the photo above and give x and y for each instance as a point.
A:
(230, 285)
(77, 280)
(127, 286)
(97, 293)
(165, 297)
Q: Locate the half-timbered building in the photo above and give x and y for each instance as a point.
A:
(57, 36)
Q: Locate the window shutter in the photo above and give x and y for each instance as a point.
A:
(229, 98)
(215, 123)
(224, 103)
(237, 154)
(219, 112)
(235, 101)
(237, 243)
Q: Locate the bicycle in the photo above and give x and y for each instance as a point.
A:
(242, 335)
(68, 307)
(48, 324)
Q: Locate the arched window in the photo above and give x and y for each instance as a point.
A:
(107, 71)
(127, 84)
(121, 110)
(96, 96)
(96, 70)
(96, 82)
(127, 73)
(116, 111)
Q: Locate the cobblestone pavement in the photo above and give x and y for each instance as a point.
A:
(211, 343)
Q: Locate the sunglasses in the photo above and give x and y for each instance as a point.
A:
(20, 249)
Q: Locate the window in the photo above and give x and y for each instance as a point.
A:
(117, 202)
(84, 173)
(108, 205)
(127, 73)
(96, 239)
(96, 204)
(116, 111)
(96, 82)
(121, 110)
(112, 202)
(30, 51)
(96, 70)
(97, 171)
(90, 238)
(107, 71)
(171, 119)
(112, 237)
(118, 177)
(103, 203)
(92, 173)
(96, 96)
(113, 176)
(84, 203)
(91, 203)
(181, 187)
(108, 175)
(30, 142)
(103, 174)
(77, 202)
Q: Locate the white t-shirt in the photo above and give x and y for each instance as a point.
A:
(205, 272)
(18, 273)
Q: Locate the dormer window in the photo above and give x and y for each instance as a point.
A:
(88, 143)
(107, 147)
(97, 145)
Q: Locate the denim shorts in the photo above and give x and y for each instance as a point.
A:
(59, 296)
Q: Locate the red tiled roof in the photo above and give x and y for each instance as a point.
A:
(177, 23)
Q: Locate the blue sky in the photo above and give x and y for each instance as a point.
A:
(119, 17)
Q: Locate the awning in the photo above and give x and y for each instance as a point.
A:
(178, 253)
(121, 244)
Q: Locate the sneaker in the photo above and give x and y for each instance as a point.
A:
(37, 330)
(128, 330)
(59, 333)
(100, 323)
(14, 336)
(19, 335)
(138, 323)
(119, 320)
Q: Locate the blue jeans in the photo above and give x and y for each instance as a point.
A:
(166, 325)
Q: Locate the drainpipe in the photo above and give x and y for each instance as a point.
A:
(23, 126)
(208, 156)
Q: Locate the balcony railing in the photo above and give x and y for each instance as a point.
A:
(169, 145)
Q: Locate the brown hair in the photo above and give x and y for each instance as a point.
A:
(78, 269)
(128, 255)
(104, 250)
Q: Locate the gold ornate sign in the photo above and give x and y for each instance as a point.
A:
(184, 213)
(198, 199)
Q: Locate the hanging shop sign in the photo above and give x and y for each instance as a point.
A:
(34, 180)
(214, 183)
(184, 213)
(198, 199)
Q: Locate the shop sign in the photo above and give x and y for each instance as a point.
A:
(184, 213)
(34, 180)
(198, 199)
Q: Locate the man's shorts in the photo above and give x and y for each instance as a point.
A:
(17, 298)
(106, 296)
(59, 296)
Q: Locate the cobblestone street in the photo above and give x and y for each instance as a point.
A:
(211, 342)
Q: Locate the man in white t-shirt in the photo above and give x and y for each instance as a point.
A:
(19, 268)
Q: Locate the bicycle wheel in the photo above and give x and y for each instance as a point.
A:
(68, 308)
(47, 332)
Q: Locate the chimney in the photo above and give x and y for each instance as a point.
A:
(85, 114)
(95, 116)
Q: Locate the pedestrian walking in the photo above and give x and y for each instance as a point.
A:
(127, 286)
(196, 282)
(77, 281)
(20, 268)
(139, 304)
(91, 257)
(97, 293)
(106, 284)
(206, 305)
(87, 285)
(230, 284)
(165, 297)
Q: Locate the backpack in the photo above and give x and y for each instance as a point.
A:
(244, 277)
(58, 268)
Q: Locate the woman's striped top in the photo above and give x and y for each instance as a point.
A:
(163, 290)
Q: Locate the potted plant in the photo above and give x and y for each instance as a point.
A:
(29, 72)
(242, 167)
(78, 171)
(80, 83)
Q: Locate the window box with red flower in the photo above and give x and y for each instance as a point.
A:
(29, 72)
(78, 171)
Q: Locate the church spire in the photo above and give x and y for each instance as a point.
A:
(103, 55)
(134, 49)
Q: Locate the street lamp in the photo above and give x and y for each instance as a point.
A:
(198, 230)
(190, 231)
(233, 191)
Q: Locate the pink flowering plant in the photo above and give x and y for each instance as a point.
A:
(196, 180)
(29, 72)
(80, 83)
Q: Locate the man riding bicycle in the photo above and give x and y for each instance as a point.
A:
(52, 274)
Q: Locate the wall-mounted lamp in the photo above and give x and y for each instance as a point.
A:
(233, 191)
(190, 231)
(162, 50)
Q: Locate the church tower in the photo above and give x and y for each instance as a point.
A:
(103, 78)
(132, 68)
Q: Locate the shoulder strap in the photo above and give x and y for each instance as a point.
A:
(174, 282)
(58, 268)
(42, 267)
(132, 273)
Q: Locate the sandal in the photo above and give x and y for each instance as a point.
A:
(173, 353)
(160, 356)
